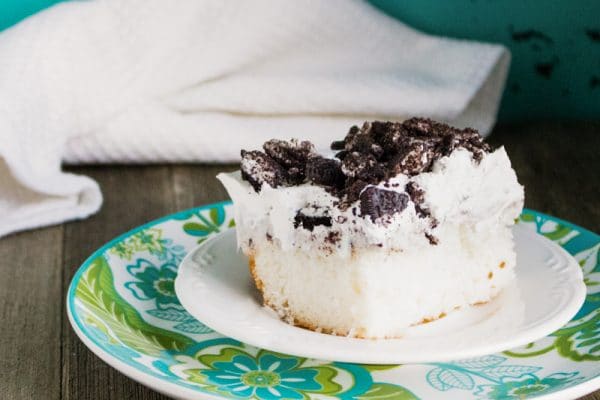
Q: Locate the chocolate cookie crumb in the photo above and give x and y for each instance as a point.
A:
(432, 239)
(309, 222)
(362, 166)
(377, 203)
(258, 168)
(412, 160)
(353, 190)
(333, 237)
(292, 155)
(417, 195)
(338, 145)
(325, 171)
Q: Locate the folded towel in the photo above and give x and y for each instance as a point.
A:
(159, 81)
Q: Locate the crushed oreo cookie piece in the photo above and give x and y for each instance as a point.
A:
(289, 153)
(340, 155)
(377, 151)
(325, 171)
(362, 166)
(432, 239)
(309, 222)
(338, 145)
(359, 142)
(258, 168)
(292, 155)
(352, 191)
(417, 196)
(393, 139)
(333, 237)
(412, 159)
(425, 127)
(378, 203)
(378, 129)
(368, 155)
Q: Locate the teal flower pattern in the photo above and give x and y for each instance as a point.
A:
(526, 387)
(153, 282)
(267, 375)
(158, 284)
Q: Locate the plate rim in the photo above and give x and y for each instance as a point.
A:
(161, 385)
(576, 296)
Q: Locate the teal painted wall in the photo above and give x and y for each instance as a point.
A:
(555, 46)
(12, 11)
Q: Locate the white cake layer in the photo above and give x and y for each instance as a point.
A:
(377, 293)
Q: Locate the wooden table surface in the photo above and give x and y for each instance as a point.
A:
(40, 356)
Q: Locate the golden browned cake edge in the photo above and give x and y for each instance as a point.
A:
(288, 316)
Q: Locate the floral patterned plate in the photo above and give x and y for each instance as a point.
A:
(214, 277)
(122, 305)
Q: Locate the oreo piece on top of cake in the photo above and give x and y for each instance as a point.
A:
(408, 221)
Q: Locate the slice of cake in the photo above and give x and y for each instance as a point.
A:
(405, 224)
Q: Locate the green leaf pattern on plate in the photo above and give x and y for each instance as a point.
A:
(579, 340)
(123, 322)
(123, 301)
(386, 391)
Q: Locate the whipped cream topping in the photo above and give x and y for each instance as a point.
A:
(457, 190)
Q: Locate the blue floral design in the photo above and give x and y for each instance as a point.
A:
(507, 381)
(158, 284)
(265, 376)
(526, 386)
(186, 323)
(171, 253)
(153, 282)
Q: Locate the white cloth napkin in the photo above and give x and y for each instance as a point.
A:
(160, 81)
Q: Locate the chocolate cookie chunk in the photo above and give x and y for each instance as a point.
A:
(417, 195)
(325, 171)
(362, 166)
(412, 159)
(377, 203)
(292, 155)
(309, 222)
(258, 168)
(352, 190)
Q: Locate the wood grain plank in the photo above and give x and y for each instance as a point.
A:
(196, 185)
(592, 396)
(133, 196)
(30, 304)
(559, 164)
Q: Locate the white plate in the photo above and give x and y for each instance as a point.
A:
(214, 285)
